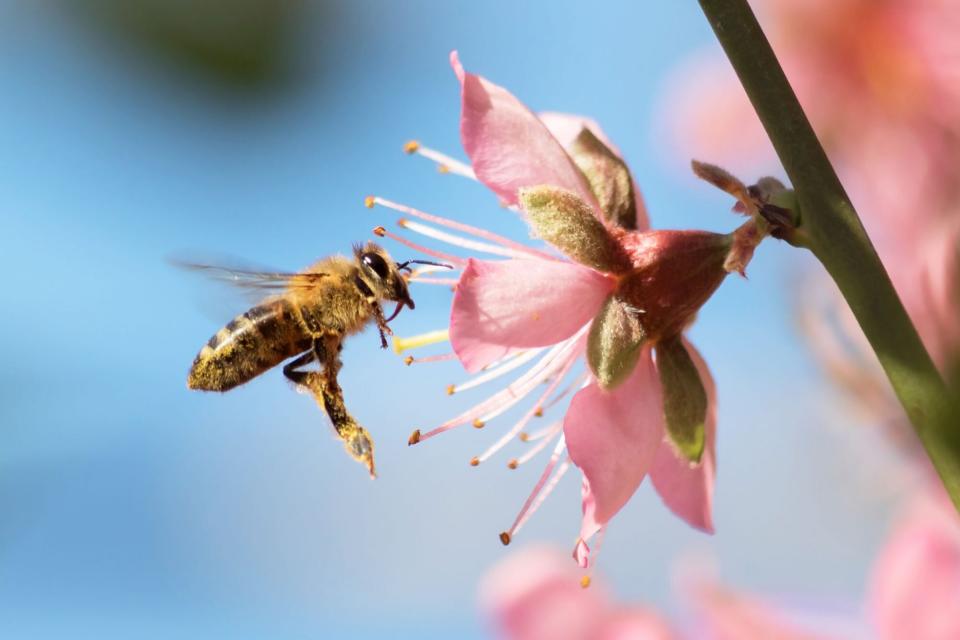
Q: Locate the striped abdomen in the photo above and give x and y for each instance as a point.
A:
(251, 343)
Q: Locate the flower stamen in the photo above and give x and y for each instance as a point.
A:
(420, 340)
(518, 427)
(456, 261)
(445, 163)
(458, 241)
(512, 362)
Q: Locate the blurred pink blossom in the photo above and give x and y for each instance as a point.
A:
(880, 82)
(535, 594)
(915, 588)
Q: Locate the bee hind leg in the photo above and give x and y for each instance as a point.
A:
(326, 391)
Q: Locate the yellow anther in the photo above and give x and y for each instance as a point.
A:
(474, 461)
(539, 412)
(585, 582)
(379, 231)
(369, 201)
(479, 424)
(402, 223)
(451, 389)
(513, 464)
(414, 438)
(411, 146)
(442, 168)
(524, 436)
(505, 538)
(408, 360)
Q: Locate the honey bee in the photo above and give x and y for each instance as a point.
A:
(307, 317)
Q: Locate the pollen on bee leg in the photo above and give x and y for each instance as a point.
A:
(421, 340)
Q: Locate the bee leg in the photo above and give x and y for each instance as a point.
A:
(299, 377)
(382, 325)
(326, 391)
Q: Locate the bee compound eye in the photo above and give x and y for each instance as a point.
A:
(377, 263)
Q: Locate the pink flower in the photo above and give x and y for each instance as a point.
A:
(617, 296)
(534, 595)
(915, 589)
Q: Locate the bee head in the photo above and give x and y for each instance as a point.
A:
(382, 275)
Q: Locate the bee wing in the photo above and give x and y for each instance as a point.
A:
(255, 282)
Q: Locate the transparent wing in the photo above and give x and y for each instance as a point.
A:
(263, 281)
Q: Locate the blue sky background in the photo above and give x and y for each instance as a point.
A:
(132, 507)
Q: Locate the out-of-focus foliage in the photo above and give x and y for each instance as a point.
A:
(243, 43)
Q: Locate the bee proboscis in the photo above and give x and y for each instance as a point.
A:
(305, 316)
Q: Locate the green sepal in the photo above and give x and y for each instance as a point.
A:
(564, 220)
(684, 399)
(609, 179)
(614, 343)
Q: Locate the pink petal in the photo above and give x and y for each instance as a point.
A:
(499, 305)
(613, 437)
(565, 127)
(915, 589)
(508, 146)
(688, 490)
(635, 623)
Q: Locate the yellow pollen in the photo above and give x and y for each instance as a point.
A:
(411, 146)
(513, 464)
(414, 438)
(451, 388)
(524, 436)
(539, 412)
(369, 201)
(479, 424)
(402, 223)
(585, 582)
(408, 360)
(505, 538)
(422, 340)
(442, 168)
(474, 461)
(379, 231)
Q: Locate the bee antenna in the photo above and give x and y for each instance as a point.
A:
(403, 265)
